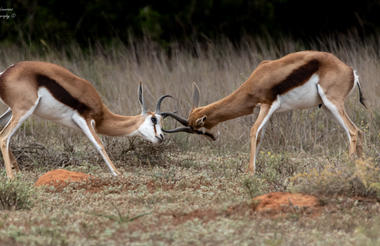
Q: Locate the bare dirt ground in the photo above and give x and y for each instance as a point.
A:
(60, 178)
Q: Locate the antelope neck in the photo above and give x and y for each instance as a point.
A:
(119, 125)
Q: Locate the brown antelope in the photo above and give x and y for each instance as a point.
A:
(295, 81)
(54, 93)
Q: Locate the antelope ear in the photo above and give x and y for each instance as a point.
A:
(201, 121)
(195, 95)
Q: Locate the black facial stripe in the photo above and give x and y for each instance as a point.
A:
(61, 94)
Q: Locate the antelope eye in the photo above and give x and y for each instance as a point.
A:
(154, 120)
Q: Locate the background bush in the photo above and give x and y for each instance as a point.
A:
(87, 23)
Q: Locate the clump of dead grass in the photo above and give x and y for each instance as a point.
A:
(272, 173)
(138, 152)
(15, 194)
(350, 178)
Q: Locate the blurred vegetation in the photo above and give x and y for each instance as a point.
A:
(84, 22)
(15, 194)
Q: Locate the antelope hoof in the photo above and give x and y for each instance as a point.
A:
(250, 171)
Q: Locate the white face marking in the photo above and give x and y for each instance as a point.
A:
(301, 97)
(333, 109)
(147, 129)
(51, 109)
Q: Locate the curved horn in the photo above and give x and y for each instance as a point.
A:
(207, 134)
(189, 130)
(141, 98)
(176, 117)
(179, 129)
(158, 107)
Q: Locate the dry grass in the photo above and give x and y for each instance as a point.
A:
(190, 191)
(219, 69)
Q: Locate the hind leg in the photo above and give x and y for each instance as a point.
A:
(354, 134)
(5, 136)
(18, 117)
(4, 121)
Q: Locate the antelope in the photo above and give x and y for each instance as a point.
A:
(296, 81)
(54, 93)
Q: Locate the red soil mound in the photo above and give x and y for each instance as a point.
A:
(60, 178)
(283, 201)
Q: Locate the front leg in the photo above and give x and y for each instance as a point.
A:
(257, 132)
(87, 128)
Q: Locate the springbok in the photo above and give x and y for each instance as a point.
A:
(296, 81)
(54, 93)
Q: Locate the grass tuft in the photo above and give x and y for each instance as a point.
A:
(348, 177)
(119, 217)
(15, 194)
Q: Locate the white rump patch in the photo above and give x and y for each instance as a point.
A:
(301, 97)
(356, 82)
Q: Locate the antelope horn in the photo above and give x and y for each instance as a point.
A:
(176, 117)
(158, 107)
(188, 129)
(179, 129)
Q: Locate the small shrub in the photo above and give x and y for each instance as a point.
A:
(275, 168)
(255, 186)
(139, 151)
(15, 194)
(352, 178)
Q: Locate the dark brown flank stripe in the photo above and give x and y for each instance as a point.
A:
(297, 78)
(61, 94)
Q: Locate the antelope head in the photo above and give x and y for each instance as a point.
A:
(197, 121)
(150, 128)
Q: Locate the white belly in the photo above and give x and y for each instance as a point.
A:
(301, 97)
(51, 109)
